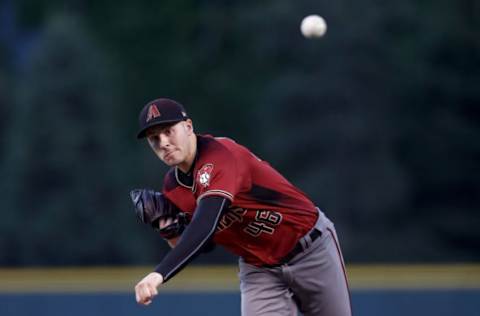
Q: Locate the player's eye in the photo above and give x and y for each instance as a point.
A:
(154, 140)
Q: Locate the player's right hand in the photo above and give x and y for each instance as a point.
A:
(164, 223)
(151, 205)
(146, 289)
(155, 209)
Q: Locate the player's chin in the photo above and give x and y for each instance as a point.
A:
(171, 160)
(168, 162)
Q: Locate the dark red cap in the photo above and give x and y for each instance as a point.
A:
(158, 112)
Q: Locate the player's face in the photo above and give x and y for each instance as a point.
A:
(171, 143)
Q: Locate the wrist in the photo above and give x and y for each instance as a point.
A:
(172, 242)
(158, 278)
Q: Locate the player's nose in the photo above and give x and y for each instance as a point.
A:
(164, 140)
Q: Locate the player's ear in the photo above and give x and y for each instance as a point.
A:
(189, 125)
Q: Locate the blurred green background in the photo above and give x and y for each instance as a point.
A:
(378, 122)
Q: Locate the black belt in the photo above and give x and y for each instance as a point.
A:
(299, 247)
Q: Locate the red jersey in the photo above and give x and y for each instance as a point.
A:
(267, 216)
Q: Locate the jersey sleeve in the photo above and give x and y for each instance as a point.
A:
(220, 174)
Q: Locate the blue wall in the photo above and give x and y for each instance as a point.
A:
(365, 303)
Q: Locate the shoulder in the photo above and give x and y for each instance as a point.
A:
(225, 151)
(210, 147)
(216, 156)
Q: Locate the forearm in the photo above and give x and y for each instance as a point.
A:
(198, 234)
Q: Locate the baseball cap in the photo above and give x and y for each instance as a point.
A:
(158, 112)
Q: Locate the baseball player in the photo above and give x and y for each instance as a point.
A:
(217, 192)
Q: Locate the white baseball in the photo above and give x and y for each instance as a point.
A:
(313, 26)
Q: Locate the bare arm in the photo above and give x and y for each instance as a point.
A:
(164, 222)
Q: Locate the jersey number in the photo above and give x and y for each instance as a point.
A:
(265, 222)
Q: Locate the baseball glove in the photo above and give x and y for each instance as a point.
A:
(151, 206)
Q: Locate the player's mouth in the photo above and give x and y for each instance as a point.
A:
(168, 155)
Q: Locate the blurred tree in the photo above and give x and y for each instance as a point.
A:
(61, 176)
(439, 131)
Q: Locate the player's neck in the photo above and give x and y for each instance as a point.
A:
(187, 164)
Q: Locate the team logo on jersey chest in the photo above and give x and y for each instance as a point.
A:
(204, 175)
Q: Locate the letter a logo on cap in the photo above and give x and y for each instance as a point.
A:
(153, 112)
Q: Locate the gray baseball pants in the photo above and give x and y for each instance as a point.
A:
(313, 282)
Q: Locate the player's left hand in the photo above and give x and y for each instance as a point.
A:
(146, 289)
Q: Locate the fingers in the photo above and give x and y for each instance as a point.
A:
(164, 222)
(146, 289)
(144, 293)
